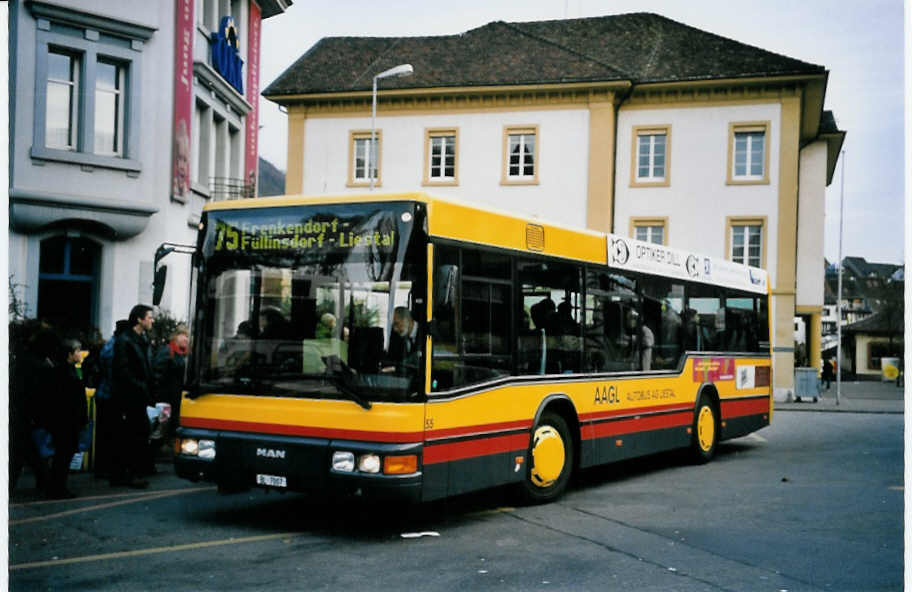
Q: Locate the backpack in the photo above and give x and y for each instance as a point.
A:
(106, 358)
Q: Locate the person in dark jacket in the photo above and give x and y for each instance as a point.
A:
(106, 418)
(63, 413)
(169, 366)
(132, 392)
(24, 363)
(828, 376)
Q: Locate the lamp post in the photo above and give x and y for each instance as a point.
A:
(839, 284)
(398, 71)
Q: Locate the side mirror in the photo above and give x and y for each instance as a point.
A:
(158, 284)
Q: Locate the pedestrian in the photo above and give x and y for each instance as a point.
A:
(827, 373)
(23, 369)
(132, 393)
(169, 367)
(63, 414)
(105, 413)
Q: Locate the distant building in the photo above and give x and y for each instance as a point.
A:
(125, 118)
(869, 340)
(634, 124)
(872, 313)
(863, 286)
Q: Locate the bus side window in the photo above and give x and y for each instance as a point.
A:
(613, 328)
(446, 307)
(708, 316)
(551, 299)
(663, 304)
(472, 317)
(740, 319)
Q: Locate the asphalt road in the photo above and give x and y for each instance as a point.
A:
(814, 502)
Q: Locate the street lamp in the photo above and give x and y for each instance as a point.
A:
(398, 71)
(839, 284)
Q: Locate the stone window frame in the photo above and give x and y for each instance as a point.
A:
(91, 38)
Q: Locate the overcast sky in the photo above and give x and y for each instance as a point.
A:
(859, 41)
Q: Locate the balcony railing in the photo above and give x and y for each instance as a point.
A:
(227, 188)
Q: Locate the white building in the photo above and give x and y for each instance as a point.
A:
(633, 124)
(99, 174)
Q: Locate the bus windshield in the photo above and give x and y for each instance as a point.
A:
(310, 301)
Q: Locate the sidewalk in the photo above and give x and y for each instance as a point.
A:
(855, 397)
(90, 488)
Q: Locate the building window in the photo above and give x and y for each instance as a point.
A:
(521, 155)
(87, 100)
(62, 100)
(651, 151)
(748, 153)
(650, 230)
(109, 112)
(746, 241)
(364, 158)
(440, 162)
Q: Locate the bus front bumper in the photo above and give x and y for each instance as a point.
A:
(237, 461)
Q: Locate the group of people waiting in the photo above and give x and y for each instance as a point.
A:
(48, 404)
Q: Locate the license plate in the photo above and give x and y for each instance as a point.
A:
(271, 480)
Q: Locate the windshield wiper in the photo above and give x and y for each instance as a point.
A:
(339, 374)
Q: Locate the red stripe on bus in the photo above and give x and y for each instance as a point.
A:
(477, 430)
(438, 453)
(636, 424)
(742, 407)
(304, 431)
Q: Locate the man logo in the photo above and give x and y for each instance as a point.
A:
(270, 453)
(621, 251)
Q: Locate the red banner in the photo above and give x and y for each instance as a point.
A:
(253, 94)
(183, 99)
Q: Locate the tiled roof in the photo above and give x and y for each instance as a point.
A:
(860, 267)
(638, 47)
(877, 323)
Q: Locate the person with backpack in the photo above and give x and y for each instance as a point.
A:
(105, 414)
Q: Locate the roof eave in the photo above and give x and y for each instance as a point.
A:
(834, 141)
(299, 98)
(269, 8)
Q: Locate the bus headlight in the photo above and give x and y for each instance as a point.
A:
(189, 446)
(369, 463)
(207, 449)
(343, 462)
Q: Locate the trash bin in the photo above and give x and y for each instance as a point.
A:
(807, 383)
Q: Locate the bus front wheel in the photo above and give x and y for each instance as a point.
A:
(705, 432)
(550, 460)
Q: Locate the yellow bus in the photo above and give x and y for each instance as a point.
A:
(411, 347)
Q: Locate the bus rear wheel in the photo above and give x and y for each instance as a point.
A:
(705, 432)
(550, 460)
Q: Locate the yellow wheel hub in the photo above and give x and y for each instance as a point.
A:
(548, 456)
(706, 428)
